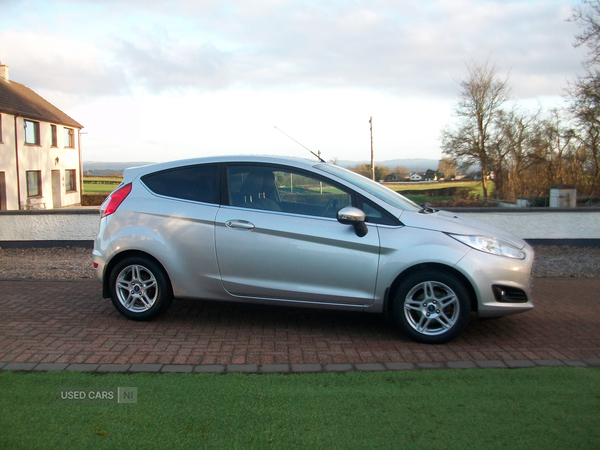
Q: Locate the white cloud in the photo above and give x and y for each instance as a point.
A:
(218, 75)
(54, 63)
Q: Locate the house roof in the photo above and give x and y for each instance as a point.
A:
(18, 99)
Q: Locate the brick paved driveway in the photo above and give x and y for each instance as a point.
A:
(69, 322)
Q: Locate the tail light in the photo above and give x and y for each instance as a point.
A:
(114, 200)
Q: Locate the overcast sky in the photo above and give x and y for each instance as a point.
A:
(155, 80)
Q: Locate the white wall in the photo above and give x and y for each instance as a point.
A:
(67, 225)
(544, 224)
(82, 224)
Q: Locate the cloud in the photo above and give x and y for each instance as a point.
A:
(415, 49)
(55, 63)
(171, 65)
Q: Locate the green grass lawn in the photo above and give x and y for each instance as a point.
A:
(427, 186)
(424, 199)
(100, 185)
(538, 408)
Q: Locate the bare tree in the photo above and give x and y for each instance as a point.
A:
(447, 166)
(584, 92)
(588, 18)
(481, 98)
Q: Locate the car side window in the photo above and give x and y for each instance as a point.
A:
(375, 214)
(198, 183)
(277, 189)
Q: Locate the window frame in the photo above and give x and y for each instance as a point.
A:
(53, 136)
(68, 137)
(36, 132)
(71, 175)
(39, 183)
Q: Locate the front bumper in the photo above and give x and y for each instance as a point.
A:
(485, 271)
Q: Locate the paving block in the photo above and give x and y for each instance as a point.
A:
(400, 366)
(574, 363)
(145, 368)
(306, 368)
(431, 365)
(337, 367)
(548, 362)
(113, 367)
(592, 362)
(46, 367)
(275, 368)
(177, 368)
(493, 364)
(210, 368)
(369, 367)
(242, 368)
(15, 366)
(519, 363)
(461, 365)
(84, 367)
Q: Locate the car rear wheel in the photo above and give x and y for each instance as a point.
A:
(432, 307)
(139, 289)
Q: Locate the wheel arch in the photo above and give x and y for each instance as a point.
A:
(120, 257)
(391, 292)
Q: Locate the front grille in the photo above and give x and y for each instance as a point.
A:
(507, 294)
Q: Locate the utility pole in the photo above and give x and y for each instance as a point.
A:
(372, 154)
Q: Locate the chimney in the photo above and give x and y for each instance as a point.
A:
(4, 72)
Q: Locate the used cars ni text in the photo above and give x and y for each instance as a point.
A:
(286, 231)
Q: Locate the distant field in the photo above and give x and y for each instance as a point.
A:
(430, 186)
(447, 190)
(100, 185)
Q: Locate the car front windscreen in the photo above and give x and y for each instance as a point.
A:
(381, 192)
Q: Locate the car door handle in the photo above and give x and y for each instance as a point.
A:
(239, 225)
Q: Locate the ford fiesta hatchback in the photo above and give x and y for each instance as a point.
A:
(295, 232)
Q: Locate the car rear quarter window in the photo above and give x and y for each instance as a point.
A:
(197, 183)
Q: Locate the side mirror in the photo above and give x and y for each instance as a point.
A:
(355, 217)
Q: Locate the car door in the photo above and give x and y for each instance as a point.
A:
(279, 239)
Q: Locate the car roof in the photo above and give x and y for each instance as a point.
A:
(134, 172)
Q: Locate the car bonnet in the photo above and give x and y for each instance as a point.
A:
(447, 222)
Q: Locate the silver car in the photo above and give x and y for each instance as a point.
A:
(295, 232)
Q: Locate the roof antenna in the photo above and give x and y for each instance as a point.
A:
(318, 156)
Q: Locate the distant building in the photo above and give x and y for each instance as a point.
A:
(40, 152)
(429, 175)
(396, 177)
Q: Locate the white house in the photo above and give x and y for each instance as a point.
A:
(40, 152)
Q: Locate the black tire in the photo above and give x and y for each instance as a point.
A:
(139, 288)
(432, 307)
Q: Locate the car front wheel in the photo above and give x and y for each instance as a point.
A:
(139, 289)
(431, 307)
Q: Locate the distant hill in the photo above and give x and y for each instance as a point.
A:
(413, 164)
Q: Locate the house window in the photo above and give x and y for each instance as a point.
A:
(54, 136)
(32, 132)
(34, 183)
(70, 180)
(69, 137)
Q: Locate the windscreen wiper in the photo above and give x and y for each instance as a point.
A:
(427, 210)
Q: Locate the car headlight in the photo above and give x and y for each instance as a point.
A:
(490, 245)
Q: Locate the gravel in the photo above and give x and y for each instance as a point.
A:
(76, 262)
